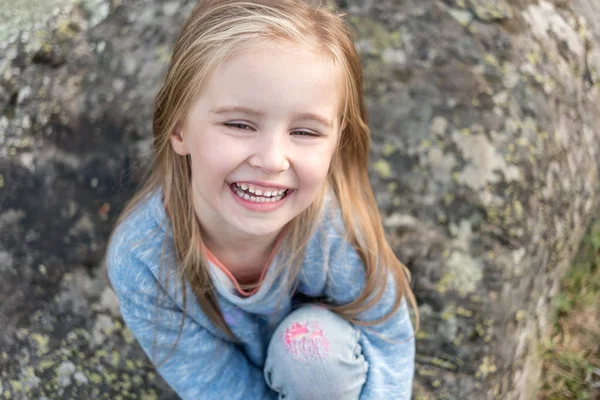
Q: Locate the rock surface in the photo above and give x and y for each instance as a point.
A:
(485, 165)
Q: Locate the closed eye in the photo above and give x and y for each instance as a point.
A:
(244, 127)
(237, 126)
(305, 133)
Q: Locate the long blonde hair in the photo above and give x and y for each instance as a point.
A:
(214, 30)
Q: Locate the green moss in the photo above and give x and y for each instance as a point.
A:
(125, 382)
(485, 368)
(426, 372)
(457, 340)
(448, 199)
(22, 333)
(163, 54)
(378, 35)
(522, 142)
(383, 168)
(518, 207)
(109, 377)
(491, 11)
(95, 378)
(479, 330)
(438, 362)
(149, 395)
(115, 359)
(463, 312)
(532, 159)
(425, 144)
(108, 330)
(491, 59)
(388, 149)
(391, 187)
(421, 334)
(492, 215)
(137, 380)
(444, 283)
(45, 364)
(534, 57)
(41, 342)
(462, 275)
(456, 176)
(449, 313)
(16, 386)
(129, 365)
(127, 336)
(65, 30)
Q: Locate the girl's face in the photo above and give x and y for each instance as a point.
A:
(261, 137)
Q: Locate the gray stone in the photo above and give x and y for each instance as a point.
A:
(491, 110)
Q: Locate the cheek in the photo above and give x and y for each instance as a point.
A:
(211, 157)
(314, 167)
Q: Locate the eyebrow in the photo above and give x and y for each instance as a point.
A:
(246, 110)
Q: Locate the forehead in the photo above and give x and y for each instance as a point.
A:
(276, 78)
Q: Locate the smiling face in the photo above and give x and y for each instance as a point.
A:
(261, 137)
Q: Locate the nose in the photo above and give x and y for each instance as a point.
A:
(270, 153)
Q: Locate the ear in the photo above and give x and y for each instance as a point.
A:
(177, 140)
(343, 125)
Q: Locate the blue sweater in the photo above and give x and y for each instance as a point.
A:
(205, 364)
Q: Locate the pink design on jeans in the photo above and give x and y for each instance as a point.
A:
(306, 341)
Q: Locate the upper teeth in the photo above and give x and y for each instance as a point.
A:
(259, 192)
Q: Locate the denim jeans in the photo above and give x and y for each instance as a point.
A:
(314, 354)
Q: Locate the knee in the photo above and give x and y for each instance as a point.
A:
(307, 335)
(315, 349)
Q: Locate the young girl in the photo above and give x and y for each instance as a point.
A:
(253, 264)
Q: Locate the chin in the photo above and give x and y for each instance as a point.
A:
(260, 230)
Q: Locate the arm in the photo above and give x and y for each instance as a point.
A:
(202, 366)
(391, 365)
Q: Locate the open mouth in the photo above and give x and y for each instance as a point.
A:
(256, 195)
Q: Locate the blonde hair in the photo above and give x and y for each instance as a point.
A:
(214, 30)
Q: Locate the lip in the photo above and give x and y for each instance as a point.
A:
(266, 185)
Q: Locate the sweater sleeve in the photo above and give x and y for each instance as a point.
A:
(202, 366)
(389, 347)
